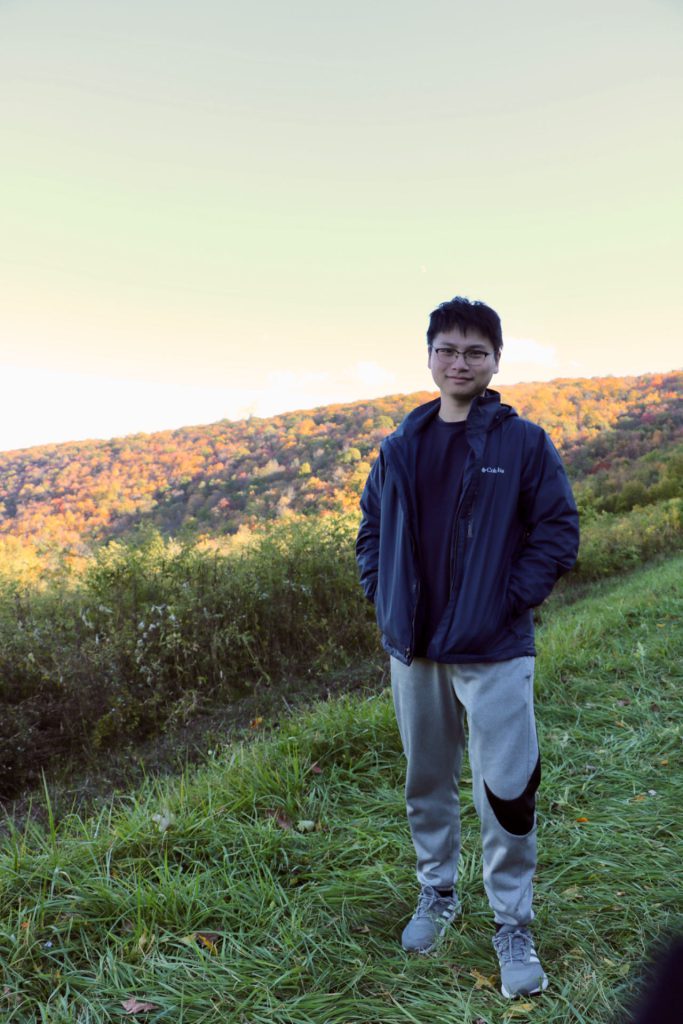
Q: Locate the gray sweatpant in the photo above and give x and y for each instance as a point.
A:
(431, 701)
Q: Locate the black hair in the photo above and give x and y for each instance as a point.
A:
(466, 315)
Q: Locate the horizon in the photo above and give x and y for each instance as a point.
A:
(226, 211)
(431, 389)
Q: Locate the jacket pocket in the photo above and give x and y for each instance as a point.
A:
(476, 622)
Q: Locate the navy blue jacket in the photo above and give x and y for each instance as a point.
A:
(515, 532)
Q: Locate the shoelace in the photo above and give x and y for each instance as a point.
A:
(428, 898)
(513, 946)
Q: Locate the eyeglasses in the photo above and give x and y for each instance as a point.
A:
(472, 356)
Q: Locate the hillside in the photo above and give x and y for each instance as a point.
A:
(620, 436)
(272, 884)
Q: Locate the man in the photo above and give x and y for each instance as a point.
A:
(468, 521)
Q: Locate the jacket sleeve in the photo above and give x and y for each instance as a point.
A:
(551, 523)
(367, 542)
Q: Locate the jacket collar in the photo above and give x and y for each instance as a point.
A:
(485, 411)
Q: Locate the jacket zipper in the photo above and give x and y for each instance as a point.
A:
(455, 538)
(398, 467)
(409, 650)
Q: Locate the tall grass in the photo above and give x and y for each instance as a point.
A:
(151, 632)
(272, 885)
(612, 544)
(108, 655)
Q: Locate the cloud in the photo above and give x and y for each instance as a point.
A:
(528, 351)
(286, 389)
(45, 406)
(374, 376)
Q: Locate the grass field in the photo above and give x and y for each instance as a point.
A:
(272, 884)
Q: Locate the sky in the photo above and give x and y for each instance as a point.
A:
(223, 209)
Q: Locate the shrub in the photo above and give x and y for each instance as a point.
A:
(612, 544)
(108, 654)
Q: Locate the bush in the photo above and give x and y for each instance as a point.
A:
(108, 655)
(611, 544)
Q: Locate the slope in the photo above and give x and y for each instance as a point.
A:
(271, 886)
(213, 479)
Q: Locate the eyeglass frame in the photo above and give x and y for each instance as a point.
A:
(472, 356)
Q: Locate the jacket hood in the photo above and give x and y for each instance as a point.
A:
(485, 413)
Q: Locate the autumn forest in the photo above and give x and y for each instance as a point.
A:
(620, 437)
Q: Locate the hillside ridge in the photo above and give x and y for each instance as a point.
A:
(213, 479)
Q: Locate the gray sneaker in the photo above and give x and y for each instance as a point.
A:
(521, 973)
(433, 915)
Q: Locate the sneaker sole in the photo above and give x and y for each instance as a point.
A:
(518, 995)
(422, 951)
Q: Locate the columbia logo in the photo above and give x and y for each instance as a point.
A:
(492, 469)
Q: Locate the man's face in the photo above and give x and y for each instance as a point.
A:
(454, 376)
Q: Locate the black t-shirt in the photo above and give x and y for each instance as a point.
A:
(440, 463)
